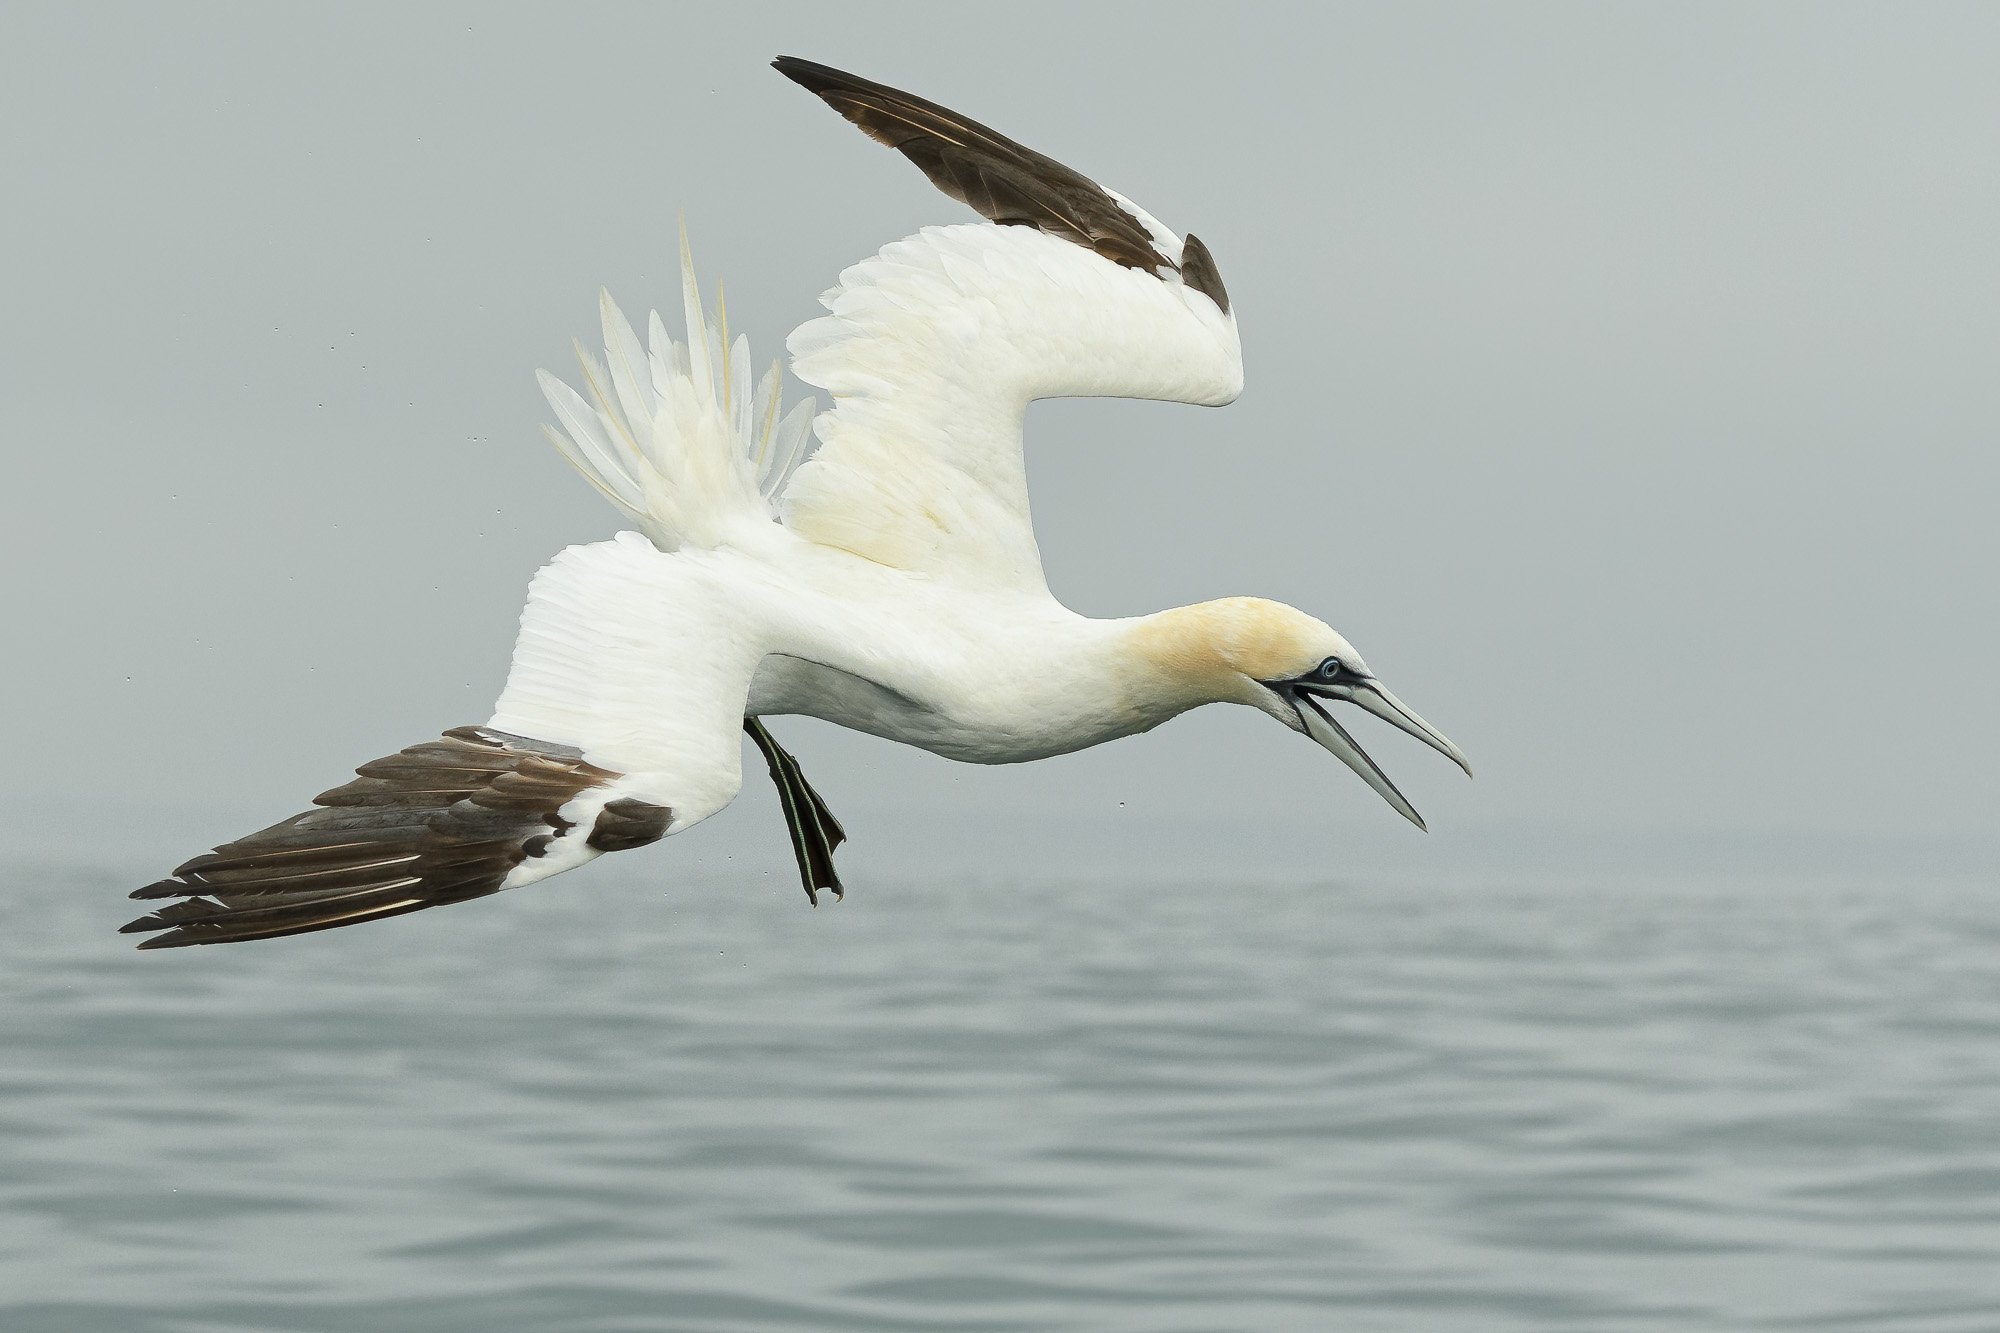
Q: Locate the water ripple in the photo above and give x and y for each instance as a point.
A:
(1256, 1107)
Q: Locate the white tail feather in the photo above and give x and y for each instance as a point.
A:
(678, 436)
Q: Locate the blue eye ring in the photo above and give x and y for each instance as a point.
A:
(1331, 669)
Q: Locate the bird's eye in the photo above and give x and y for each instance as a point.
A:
(1330, 669)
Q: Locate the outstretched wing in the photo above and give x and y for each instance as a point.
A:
(460, 817)
(934, 348)
(620, 724)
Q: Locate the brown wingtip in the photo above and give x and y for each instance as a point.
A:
(847, 93)
(809, 73)
(823, 79)
(861, 102)
(1001, 180)
(1199, 272)
(436, 823)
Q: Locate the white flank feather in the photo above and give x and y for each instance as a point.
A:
(678, 436)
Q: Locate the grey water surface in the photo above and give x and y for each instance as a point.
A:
(616, 1105)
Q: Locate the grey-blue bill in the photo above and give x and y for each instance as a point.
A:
(1370, 695)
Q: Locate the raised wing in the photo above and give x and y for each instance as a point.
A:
(621, 723)
(933, 348)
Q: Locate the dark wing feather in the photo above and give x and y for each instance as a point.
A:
(1199, 272)
(1002, 180)
(437, 823)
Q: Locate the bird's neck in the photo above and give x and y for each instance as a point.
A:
(1188, 656)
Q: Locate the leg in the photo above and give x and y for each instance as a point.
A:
(814, 830)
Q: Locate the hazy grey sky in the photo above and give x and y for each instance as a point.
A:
(1622, 380)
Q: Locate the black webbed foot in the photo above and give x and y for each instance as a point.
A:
(814, 831)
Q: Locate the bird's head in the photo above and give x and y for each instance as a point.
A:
(1291, 665)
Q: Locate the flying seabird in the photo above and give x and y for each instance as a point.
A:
(889, 583)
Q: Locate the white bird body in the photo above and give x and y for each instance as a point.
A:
(896, 589)
(890, 584)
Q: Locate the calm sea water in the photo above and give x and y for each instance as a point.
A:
(608, 1105)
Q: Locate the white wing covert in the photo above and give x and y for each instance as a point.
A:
(933, 348)
(640, 662)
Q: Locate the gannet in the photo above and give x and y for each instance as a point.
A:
(889, 583)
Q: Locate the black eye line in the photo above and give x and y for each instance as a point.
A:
(1339, 673)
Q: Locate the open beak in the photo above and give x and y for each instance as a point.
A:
(1367, 693)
